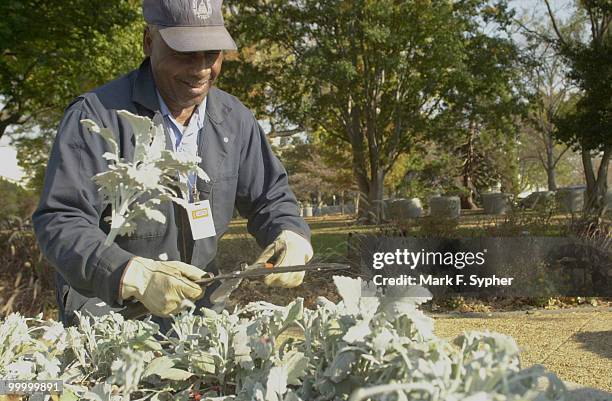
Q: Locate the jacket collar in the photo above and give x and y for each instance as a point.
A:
(216, 109)
(145, 94)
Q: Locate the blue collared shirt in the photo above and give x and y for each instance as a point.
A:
(185, 138)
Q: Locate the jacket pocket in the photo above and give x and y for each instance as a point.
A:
(223, 200)
(204, 189)
(72, 302)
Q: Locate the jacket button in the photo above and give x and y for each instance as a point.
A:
(225, 139)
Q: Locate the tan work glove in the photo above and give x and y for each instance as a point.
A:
(160, 286)
(288, 249)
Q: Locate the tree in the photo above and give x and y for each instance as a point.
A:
(314, 170)
(547, 106)
(552, 94)
(50, 52)
(568, 169)
(369, 73)
(480, 125)
(32, 156)
(588, 127)
(16, 201)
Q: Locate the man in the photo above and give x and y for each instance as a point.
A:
(183, 45)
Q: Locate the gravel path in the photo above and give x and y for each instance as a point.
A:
(575, 344)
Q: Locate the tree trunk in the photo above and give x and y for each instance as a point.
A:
(467, 199)
(550, 164)
(355, 135)
(370, 197)
(10, 116)
(597, 184)
(363, 190)
(367, 170)
(376, 210)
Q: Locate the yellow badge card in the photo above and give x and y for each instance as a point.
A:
(201, 220)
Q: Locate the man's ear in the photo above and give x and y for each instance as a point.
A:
(147, 41)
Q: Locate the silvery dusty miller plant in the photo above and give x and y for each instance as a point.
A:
(152, 172)
(368, 346)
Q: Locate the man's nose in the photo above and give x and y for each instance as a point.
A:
(200, 62)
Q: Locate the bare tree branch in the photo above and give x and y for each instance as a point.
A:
(558, 158)
(554, 23)
(531, 31)
(284, 133)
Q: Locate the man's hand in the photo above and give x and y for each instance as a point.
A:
(161, 286)
(288, 249)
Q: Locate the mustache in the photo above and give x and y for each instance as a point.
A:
(198, 80)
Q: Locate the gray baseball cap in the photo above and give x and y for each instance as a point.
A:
(189, 25)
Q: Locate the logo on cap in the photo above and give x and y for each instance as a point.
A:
(202, 9)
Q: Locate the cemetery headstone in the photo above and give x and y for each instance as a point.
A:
(445, 206)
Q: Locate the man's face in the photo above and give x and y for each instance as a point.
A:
(182, 79)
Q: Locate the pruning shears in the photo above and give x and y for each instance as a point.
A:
(137, 310)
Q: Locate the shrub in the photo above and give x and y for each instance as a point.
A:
(367, 346)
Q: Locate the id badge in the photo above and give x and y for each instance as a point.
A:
(201, 220)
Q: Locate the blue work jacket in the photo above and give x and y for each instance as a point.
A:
(69, 221)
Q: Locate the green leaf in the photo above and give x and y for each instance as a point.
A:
(276, 384)
(176, 374)
(110, 157)
(158, 366)
(341, 366)
(295, 364)
(146, 176)
(152, 345)
(158, 144)
(100, 392)
(204, 362)
(242, 350)
(202, 174)
(381, 341)
(350, 291)
(152, 173)
(153, 214)
(91, 125)
(141, 126)
(358, 332)
(293, 313)
(68, 395)
(106, 133)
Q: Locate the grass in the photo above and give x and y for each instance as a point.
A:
(329, 239)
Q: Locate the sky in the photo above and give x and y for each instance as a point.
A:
(561, 8)
(8, 154)
(8, 161)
